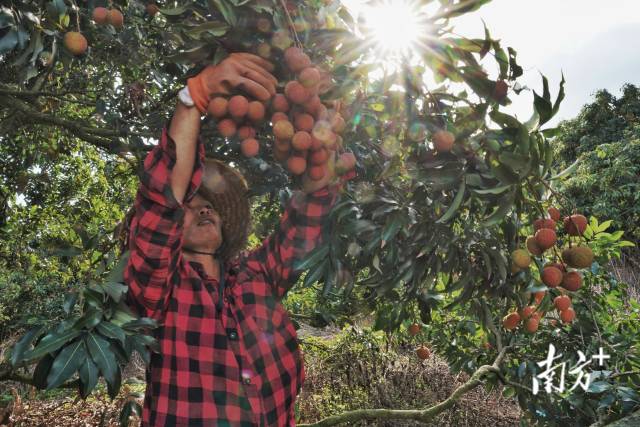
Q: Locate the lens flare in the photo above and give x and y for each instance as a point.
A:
(396, 26)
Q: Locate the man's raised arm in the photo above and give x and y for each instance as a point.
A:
(172, 174)
(299, 231)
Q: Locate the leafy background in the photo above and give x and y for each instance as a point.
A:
(417, 237)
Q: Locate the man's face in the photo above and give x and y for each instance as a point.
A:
(202, 226)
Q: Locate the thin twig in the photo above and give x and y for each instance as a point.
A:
(291, 24)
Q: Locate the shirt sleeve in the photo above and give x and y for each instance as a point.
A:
(298, 233)
(155, 237)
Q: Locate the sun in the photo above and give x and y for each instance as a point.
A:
(397, 27)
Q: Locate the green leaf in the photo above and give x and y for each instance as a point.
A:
(486, 45)
(102, 356)
(508, 392)
(504, 206)
(315, 273)
(89, 319)
(194, 54)
(454, 205)
(114, 387)
(66, 364)
(174, 11)
(518, 163)
(542, 104)
(501, 59)
(142, 350)
(24, 343)
(226, 9)
(313, 258)
(111, 330)
(122, 315)
(8, 42)
(69, 251)
(604, 226)
(70, 302)
(617, 235)
(598, 387)
(504, 173)
(496, 190)
(567, 171)
(60, 7)
(469, 45)
(146, 340)
(143, 322)
(533, 122)
(504, 120)
(42, 371)
(115, 290)
(51, 343)
(117, 273)
(214, 28)
(394, 224)
(88, 374)
(556, 105)
(548, 157)
(515, 69)
(461, 7)
(376, 263)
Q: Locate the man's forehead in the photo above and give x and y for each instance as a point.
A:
(198, 200)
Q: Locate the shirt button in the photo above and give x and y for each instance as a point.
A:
(233, 335)
(246, 380)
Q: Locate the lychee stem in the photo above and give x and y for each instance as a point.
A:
(77, 10)
(558, 195)
(292, 27)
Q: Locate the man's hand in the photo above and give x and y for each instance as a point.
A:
(243, 71)
(309, 185)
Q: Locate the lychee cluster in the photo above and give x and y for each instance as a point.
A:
(443, 141)
(76, 43)
(239, 116)
(305, 131)
(104, 16)
(560, 272)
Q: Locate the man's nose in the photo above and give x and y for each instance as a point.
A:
(205, 211)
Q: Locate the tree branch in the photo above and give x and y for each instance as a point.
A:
(622, 374)
(423, 415)
(103, 138)
(8, 374)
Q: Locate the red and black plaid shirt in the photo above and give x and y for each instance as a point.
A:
(241, 365)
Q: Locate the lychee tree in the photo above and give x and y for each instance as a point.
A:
(449, 222)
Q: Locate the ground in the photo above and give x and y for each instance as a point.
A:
(403, 382)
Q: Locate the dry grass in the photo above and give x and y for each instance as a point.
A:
(627, 269)
(347, 380)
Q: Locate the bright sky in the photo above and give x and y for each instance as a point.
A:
(592, 41)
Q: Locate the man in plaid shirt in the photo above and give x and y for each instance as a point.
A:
(229, 354)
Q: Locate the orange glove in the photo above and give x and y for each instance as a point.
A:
(238, 71)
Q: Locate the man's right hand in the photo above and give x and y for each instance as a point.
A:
(243, 71)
